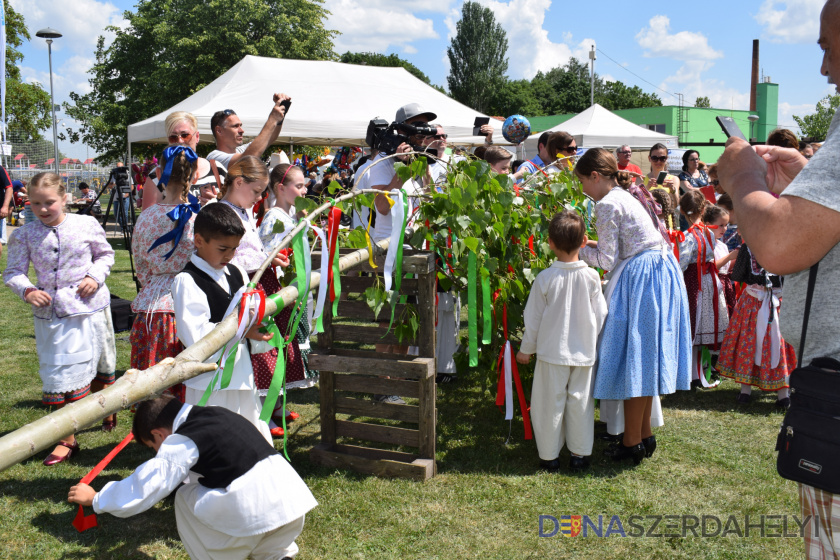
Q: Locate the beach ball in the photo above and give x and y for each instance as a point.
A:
(516, 129)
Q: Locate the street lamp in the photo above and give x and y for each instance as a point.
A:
(753, 119)
(49, 34)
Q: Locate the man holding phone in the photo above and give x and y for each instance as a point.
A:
(228, 131)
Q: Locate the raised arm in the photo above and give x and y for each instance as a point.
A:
(270, 130)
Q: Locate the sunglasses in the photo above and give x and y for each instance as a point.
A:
(570, 149)
(183, 135)
(714, 183)
(658, 158)
(441, 136)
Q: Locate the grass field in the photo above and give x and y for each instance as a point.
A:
(715, 458)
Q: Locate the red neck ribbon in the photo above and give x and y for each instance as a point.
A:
(333, 223)
(84, 522)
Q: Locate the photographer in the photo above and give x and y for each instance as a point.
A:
(382, 176)
(227, 129)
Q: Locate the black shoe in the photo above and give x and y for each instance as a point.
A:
(783, 404)
(743, 398)
(550, 466)
(446, 378)
(577, 464)
(650, 445)
(621, 452)
(695, 384)
(611, 438)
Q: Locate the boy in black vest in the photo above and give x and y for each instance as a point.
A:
(247, 501)
(203, 294)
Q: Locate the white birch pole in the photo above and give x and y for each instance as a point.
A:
(136, 385)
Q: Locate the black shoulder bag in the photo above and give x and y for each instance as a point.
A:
(809, 440)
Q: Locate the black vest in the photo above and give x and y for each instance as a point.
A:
(228, 445)
(217, 298)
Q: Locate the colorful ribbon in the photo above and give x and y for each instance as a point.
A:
(392, 262)
(508, 377)
(169, 154)
(325, 271)
(84, 522)
(487, 307)
(471, 310)
(676, 237)
(334, 281)
(181, 215)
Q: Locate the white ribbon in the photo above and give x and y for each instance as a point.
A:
(508, 382)
(325, 268)
(249, 317)
(767, 313)
(397, 219)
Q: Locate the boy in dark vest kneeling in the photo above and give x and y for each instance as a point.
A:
(243, 499)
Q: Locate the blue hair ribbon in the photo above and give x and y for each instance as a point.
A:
(181, 215)
(169, 154)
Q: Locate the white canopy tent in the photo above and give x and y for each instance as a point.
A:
(332, 102)
(597, 127)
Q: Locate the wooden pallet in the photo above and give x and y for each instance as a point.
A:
(349, 375)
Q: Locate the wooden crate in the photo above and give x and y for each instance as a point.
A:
(362, 372)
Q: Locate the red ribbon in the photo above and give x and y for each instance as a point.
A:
(84, 522)
(260, 310)
(256, 209)
(332, 233)
(676, 237)
(500, 391)
(531, 246)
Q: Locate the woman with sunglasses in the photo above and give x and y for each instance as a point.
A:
(658, 158)
(182, 130)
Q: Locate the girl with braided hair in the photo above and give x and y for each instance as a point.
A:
(162, 246)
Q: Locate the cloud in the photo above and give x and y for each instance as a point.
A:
(790, 21)
(81, 23)
(377, 25)
(786, 112)
(657, 40)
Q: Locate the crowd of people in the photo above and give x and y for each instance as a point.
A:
(686, 299)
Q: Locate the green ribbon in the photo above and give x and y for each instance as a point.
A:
(336, 281)
(487, 307)
(471, 303)
(278, 381)
(706, 362)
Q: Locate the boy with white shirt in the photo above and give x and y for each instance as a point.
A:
(243, 498)
(563, 317)
(203, 294)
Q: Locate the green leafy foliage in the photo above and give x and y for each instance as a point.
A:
(481, 212)
(27, 104)
(386, 60)
(815, 126)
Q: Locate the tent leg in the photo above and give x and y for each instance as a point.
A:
(291, 152)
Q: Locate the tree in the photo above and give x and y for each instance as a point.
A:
(389, 61)
(477, 57)
(27, 104)
(815, 126)
(616, 95)
(514, 97)
(169, 50)
(703, 102)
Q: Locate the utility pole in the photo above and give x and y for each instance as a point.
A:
(592, 76)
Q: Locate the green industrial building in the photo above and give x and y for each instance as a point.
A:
(695, 127)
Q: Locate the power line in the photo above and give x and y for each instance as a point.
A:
(626, 69)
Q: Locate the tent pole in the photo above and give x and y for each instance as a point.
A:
(291, 152)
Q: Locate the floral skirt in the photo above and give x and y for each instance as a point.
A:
(701, 308)
(153, 338)
(737, 355)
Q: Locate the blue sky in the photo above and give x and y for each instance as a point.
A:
(700, 48)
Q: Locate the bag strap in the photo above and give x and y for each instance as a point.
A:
(812, 280)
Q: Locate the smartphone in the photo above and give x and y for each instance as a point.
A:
(479, 122)
(660, 179)
(286, 103)
(730, 128)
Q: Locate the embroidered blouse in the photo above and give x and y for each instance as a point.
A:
(250, 254)
(269, 239)
(62, 256)
(155, 273)
(624, 230)
(690, 247)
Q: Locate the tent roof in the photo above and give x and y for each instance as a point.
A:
(599, 127)
(332, 102)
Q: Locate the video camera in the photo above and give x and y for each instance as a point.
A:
(386, 138)
(122, 182)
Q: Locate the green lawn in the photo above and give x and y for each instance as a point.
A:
(714, 458)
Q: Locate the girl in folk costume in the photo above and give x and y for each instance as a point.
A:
(287, 183)
(709, 317)
(74, 334)
(645, 346)
(754, 352)
(162, 246)
(246, 182)
(717, 218)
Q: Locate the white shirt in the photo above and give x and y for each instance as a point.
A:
(192, 323)
(224, 157)
(268, 496)
(381, 174)
(721, 250)
(564, 314)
